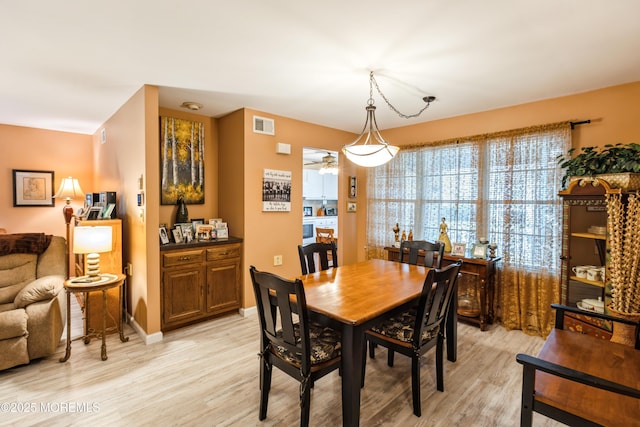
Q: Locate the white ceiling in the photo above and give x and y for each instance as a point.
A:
(69, 65)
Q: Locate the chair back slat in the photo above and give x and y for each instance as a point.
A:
(324, 235)
(433, 252)
(281, 303)
(324, 252)
(437, 294)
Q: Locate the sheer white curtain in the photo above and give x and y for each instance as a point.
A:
(503, 186)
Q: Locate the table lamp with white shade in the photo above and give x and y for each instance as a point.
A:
(92, 240)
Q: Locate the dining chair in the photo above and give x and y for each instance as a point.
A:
(433, 252)
(304, 350)
(324, 252)
(325, 235)
(418, 329)
(409, 250)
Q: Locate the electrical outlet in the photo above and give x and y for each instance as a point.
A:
(277, 260)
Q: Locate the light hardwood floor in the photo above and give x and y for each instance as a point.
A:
(207, 375)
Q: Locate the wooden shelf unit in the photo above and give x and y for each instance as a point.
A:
(199, 281)
(584, 205)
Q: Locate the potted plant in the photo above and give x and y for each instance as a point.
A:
(609, 159)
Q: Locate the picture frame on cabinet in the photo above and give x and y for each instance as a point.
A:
(177, 234)
(222, 233)
(205, 232)
(81, 213)
(187, 232)
(95, 212)
(195, 222)
(479, 250)
(458, 249)
(32, 188)
(164, 236)
(353, 187)
(108, 211)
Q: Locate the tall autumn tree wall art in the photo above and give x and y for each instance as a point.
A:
(182, 161)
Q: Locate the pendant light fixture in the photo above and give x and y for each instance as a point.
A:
(370, 148)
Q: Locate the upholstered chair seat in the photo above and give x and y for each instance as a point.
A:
(325, 345)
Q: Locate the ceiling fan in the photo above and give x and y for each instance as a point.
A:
(329, 164)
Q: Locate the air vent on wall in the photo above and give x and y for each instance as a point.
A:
(263, 125)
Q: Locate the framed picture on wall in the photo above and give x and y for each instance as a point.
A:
(32, 188)
(353, 187)
(351, 206)
(182, 161)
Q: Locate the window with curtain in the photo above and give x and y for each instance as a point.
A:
(502, 186)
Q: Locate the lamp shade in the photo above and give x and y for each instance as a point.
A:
(95, 239)
(370, 155)
(69, 189)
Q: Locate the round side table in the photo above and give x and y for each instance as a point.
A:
(85, 284)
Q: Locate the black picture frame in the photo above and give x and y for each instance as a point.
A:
(353, 187)
(33, 188)
(95, 212)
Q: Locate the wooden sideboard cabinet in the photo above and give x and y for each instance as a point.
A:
(199, 281)
(476, 286)
(110, 262)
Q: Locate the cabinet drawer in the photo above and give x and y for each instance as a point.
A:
(171, 259)
(223, 252)
(588, 325)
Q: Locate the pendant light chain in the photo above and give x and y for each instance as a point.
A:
(372, 82)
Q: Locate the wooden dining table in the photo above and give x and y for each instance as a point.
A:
(353, 298)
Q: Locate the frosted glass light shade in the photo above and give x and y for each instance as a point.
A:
(370, 155)
(374, 150)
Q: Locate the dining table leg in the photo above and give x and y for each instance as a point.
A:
(352, 348)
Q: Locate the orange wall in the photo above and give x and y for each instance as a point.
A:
(613, 113)
(130, 152)
(209, 209)
(267, 234)
(66, 154)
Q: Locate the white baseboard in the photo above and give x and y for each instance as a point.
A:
(250, 311)
(146, 338)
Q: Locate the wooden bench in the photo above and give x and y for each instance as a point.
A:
(582, 380)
